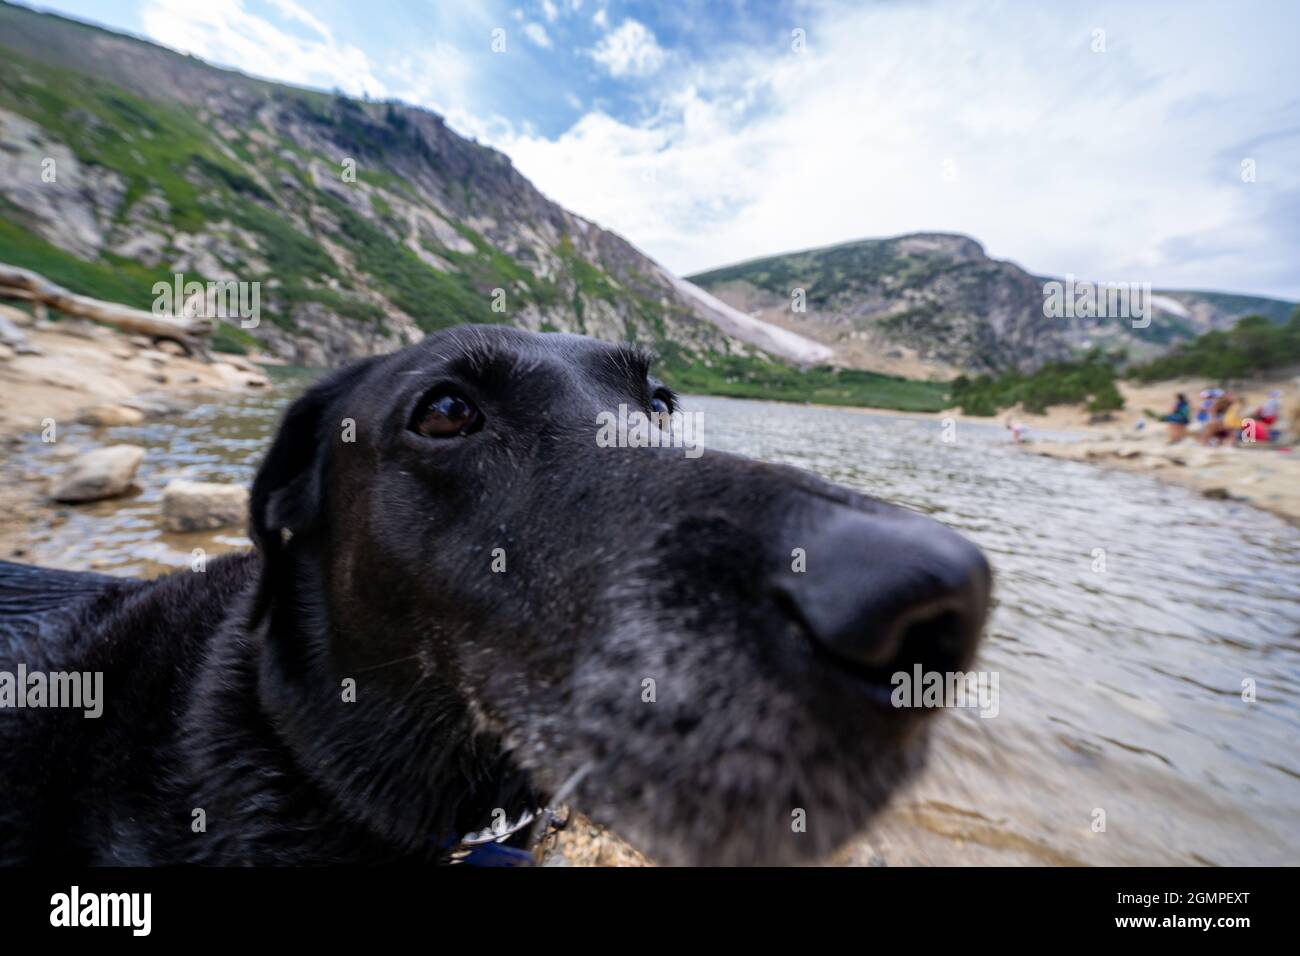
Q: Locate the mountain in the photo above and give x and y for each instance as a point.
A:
(937, 304)
(163, 164)
(368, 224)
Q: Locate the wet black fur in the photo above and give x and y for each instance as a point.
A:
(475, 690)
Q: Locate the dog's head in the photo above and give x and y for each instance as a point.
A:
(699, 648)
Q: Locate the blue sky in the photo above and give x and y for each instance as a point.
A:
(1117, 141)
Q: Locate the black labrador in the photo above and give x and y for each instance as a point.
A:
(462, 604)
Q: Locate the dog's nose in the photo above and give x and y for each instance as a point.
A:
(885, 593)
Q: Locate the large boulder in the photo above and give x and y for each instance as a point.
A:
(203, 505)
(107, 416)
(102, 473)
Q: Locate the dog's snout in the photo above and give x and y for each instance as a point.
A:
(885, 593)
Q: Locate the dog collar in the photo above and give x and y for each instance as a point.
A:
(487, 847)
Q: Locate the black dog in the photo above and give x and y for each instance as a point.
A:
(460, 604)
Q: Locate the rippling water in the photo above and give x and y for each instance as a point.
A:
(1120, 690)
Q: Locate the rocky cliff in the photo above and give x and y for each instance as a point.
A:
(366, 224)
(937, 303)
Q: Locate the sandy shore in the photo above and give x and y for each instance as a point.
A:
(1265, 476)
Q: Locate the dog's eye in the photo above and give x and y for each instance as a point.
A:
(445, 414)
(661, 402)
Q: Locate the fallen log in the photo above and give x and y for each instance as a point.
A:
(190, 332)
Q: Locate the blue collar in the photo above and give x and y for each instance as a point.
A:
(487, 847)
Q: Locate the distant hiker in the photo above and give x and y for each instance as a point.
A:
(1179, 418)
(1018, 429)
(1216, 429)
(1208, 397)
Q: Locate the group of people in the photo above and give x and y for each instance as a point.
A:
(1224, 418)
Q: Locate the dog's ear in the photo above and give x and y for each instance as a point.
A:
(288, 491)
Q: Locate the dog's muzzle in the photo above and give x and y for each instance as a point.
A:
(885, 592)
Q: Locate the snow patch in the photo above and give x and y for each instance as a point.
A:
(1165, 304)
(765, 335)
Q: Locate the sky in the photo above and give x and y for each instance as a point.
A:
(1119, 142)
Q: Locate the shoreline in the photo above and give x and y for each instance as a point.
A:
(71, 366)
(1265, 477)
(76, 372)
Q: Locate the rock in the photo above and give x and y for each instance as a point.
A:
(170, 347)
(1218, 494)
(107, 416)
(6, 353)
(154, 407)
(13, 336)
(234, 376)
(243, 364)
(203, 505)
(155, 356)
(102, 473)
(17, 316)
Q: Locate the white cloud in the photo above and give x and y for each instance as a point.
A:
(440, 77)
(1121, 165)
(225, 32)
(630, 50)
(537, 34)
(550, 11)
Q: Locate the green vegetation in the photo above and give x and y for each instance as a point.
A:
(1090, 381)
(489, 268)
(434, 299)
(117, 280)
(152, 146)
(231, 338)
(759, 378)
(290, 256)
(1254, 344)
